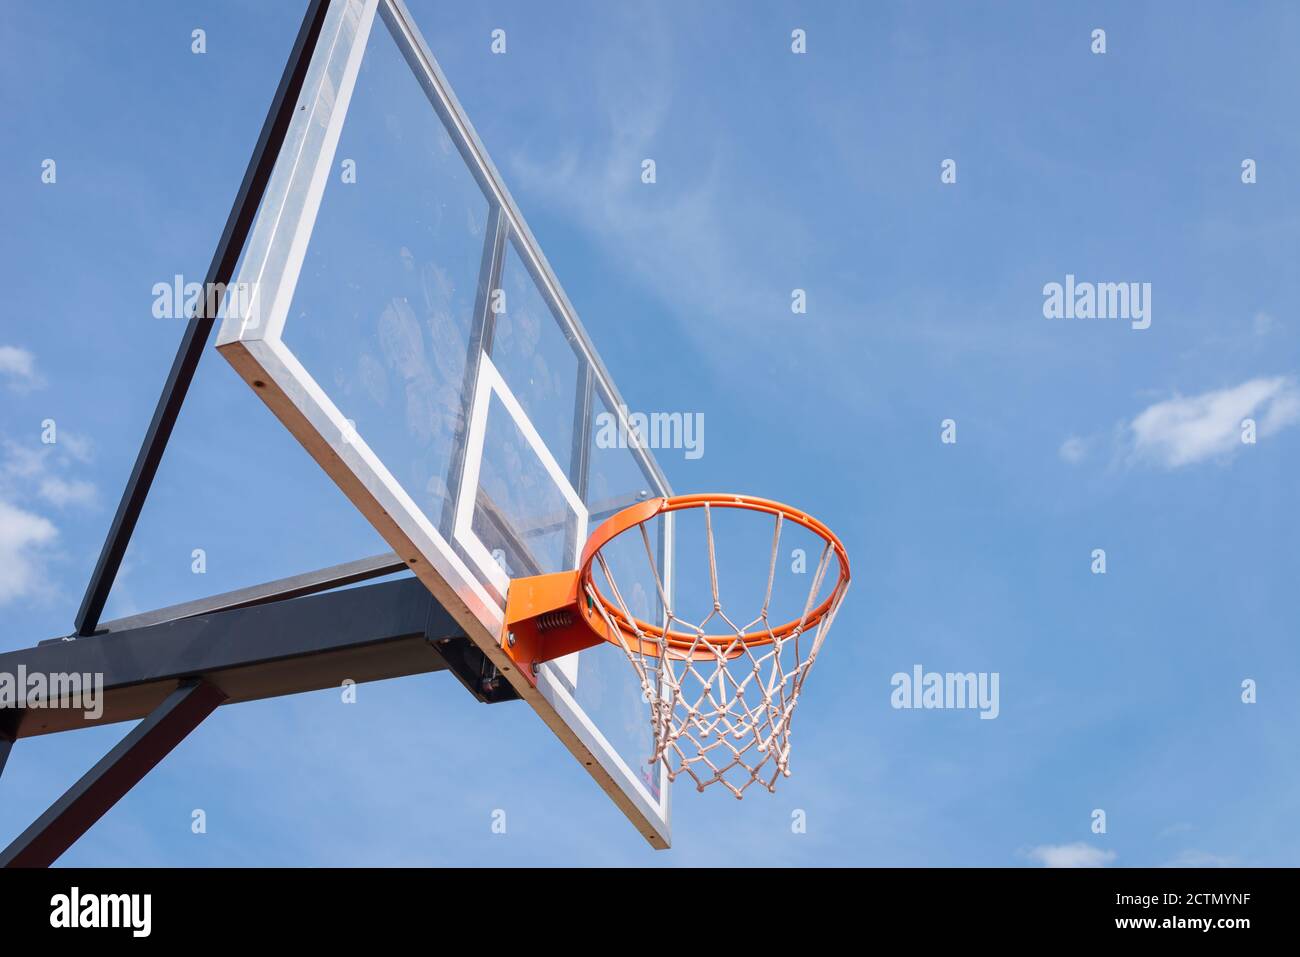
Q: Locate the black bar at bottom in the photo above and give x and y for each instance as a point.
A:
(1030, 905)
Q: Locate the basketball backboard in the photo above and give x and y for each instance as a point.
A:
(396, 314)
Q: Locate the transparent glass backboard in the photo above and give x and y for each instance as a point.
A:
(398, 317)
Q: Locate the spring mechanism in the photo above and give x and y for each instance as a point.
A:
(554, 619)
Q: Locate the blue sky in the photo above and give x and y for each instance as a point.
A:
(775, 171)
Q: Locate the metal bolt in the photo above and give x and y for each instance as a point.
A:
(510, 638)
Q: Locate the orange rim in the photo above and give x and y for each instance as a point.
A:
(635, 629)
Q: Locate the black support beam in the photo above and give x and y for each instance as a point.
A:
(367, 633)
(117, 772)
(174, 673)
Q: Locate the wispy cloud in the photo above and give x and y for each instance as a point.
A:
(1264, 323)
(673, 235)
(61, 492)
(24, 538)
(1073, 450)
(1192, 858)
(18, 369)
(33, 475)
(41, 472)
(696, 239)
(1070, 855)
(78, 447)
(1186, 430)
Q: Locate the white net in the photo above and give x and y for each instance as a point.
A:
(722, 694)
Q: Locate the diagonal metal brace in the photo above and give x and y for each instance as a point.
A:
(116, 773)
(8, 734)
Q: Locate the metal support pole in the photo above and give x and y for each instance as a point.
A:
(7, 736)
(256, 651)
(170, 674)
(282, 589)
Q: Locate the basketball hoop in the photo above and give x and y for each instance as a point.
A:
(721, 694)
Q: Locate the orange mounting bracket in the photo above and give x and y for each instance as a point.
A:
(545, 621)
(550, 616)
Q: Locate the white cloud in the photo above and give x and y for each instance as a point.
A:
(62, 492)
(1073, 450)
(24, 461)
(1185, 430)
(79, 448)
(41, 471)
(23, 538)
(18, 366)
(1071, 855)
(28, 473)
